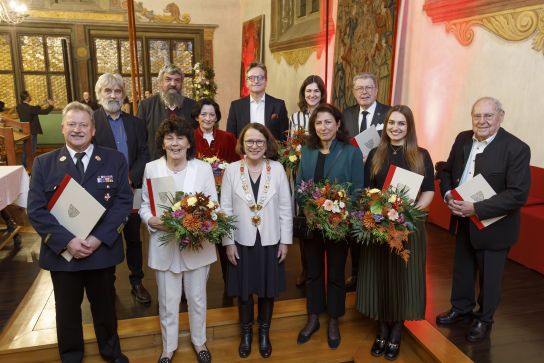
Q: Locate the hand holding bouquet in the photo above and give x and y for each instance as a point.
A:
(194, 218)
(326, 207)
(289, 151)
(385, 217)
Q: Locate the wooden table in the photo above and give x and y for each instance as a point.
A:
(14, 184)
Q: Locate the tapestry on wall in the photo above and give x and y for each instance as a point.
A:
(365, 37)
(252, 48)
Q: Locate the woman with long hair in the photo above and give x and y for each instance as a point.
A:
(388, 290)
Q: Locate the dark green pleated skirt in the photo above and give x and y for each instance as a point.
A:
(387, 288)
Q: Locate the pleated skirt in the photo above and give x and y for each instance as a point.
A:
(387, 288)
(257, 272)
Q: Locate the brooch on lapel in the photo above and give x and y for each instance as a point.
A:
(274, 116)
(107, 197)
(62, 158)
(97, 158)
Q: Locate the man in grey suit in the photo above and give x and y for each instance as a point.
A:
(357, 119)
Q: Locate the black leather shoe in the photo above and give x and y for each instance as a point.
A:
(141, 294)
(478, 331)
(450, 317)
(392, 350)
(204, 356)
(351, 283)
(378, 348)
(311, 327)
(244, 349)
(120, 359)
(333, 334)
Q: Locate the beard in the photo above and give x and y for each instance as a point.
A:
(172, 98)
(111, 106)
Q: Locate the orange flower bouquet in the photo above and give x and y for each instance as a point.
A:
(385, 217)
(327, 207)
(218, 168)
(194, 218)
(290, 150)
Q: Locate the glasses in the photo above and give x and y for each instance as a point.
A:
(485, 116)
(256, 78)
(365, 89)
(259, 143)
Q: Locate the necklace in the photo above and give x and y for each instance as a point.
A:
(250, 199)
(396, 149)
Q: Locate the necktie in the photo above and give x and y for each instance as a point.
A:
(363, 123)
(79, 163)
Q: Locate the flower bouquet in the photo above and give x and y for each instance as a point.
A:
(218, 168)
(289, 151)
(326, 206)
(385, 217)
(194, 218)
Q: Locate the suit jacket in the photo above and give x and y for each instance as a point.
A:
(199, 178)
(505, 166)
(275, 116)
(48, 171)
(276, 213)
(28, 113)
(344, 164)
(350, 116)
(153, 111)
(138, 154)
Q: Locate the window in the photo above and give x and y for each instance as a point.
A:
(43, 68)
(7, 81)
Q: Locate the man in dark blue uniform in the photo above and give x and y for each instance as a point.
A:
(103, 173)
(128, 135)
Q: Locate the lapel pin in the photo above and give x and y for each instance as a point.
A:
(62, 158)
(107, 197)
(97, 158)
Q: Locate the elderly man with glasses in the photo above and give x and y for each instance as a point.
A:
(258, 107)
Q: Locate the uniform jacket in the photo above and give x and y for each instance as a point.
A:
(199, 178)
(276, 213)
(48, 171)
(28, 113)
(138, 153)
(350, 116)
(153, 111)
(275, 116)
(504, 164)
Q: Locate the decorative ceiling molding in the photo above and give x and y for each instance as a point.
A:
(512, 25)
(295, 57)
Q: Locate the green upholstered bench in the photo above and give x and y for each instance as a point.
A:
(51, 129)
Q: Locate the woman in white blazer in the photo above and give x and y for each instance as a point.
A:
(175, 138)
(256, 191)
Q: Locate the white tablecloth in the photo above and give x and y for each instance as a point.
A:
(14, 183)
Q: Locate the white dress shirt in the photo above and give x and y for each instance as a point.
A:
(85, 159)
(371, 110)
(256, 110)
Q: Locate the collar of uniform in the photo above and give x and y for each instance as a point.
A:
(88, 151)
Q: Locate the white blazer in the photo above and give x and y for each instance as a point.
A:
(199, 178)
(276, 215)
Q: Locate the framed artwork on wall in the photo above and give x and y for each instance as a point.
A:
(365, 42)
(252, 48)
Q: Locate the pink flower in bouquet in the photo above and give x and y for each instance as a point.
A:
(393, 215)
(185, 241)
(178, 214)
(207, 226)
(328, 205)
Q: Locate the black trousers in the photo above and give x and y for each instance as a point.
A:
(469, 264)
(69, 288)
(133, 243)
(333, 297)
(355, 251)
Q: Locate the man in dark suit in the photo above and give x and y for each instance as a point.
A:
(367, 111)
(103, 173)
(29, 113)
(357, 119)
(168, 103)
(258, 106)
(503, 161)
(128, 134)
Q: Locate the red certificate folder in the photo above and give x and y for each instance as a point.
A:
(159, 191)
(401, 178)
(476, 190)
(75, 209)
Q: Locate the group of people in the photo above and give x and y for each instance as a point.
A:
(168, 137)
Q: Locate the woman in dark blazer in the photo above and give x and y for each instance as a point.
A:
(328, 155)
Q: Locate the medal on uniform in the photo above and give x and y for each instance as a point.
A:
(107, 197)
